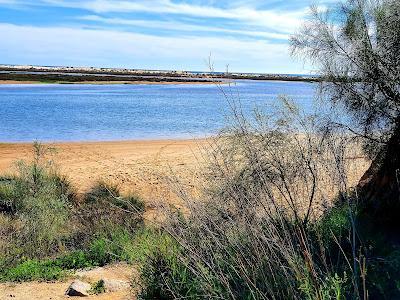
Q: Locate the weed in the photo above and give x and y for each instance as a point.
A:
(98, 287)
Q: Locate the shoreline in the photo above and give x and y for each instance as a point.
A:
(91, 142)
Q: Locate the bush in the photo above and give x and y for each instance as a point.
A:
(37, 199)
(41, 218)
(106, 211)
(262, 228)
(99, 253)
(161, 268)
(33, 270)
(98, 287)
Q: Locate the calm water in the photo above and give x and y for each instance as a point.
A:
(121, 112)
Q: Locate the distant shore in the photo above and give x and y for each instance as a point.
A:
(27, 82)
(80, 74)
(64, 78)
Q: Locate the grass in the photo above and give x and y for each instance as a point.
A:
(123, 246)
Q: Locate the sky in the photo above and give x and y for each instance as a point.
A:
(243, 36)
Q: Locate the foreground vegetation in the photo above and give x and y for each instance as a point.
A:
(47, 230)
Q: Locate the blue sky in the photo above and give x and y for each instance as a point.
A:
(248, 36)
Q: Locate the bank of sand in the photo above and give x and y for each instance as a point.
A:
(137, 166)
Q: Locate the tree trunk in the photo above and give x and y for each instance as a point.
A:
(379, 187)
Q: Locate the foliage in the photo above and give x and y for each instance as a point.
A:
(98, 287)
(332, 288)
(105, 211)
(32, 270)
(162, 274)
(37, 199)
(355, 47)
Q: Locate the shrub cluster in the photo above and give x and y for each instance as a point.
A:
(46, 229)
(278, 219)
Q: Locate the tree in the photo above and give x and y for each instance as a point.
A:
(356, 48)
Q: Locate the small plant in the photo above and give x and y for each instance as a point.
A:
(332, 288)
(98, 287)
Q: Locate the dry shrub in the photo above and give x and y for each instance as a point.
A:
(105, 210)
(254, 232)
(36, 202)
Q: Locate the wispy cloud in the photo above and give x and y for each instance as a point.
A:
(180, 26)
(279, 20)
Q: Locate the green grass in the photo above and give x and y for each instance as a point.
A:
(33, 270)
(122, 246)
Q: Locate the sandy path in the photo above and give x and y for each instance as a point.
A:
(137, 166)
(56, 290)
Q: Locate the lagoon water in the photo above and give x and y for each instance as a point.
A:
(48, 113)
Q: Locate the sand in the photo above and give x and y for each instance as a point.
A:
(56, 290)
(136, 166)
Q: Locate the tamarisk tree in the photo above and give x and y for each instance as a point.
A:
(355, 45)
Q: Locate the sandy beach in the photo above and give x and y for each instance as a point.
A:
(137, 166)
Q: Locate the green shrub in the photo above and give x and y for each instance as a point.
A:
(7, 195)
(98, 287)
(99, 252)
(331, 288)
(38, 200)
(32, 270)
(335, 222)
(40, 217)
(75, 260)
(103, 193)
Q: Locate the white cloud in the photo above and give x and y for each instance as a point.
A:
(180, 26)
(77, 46)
